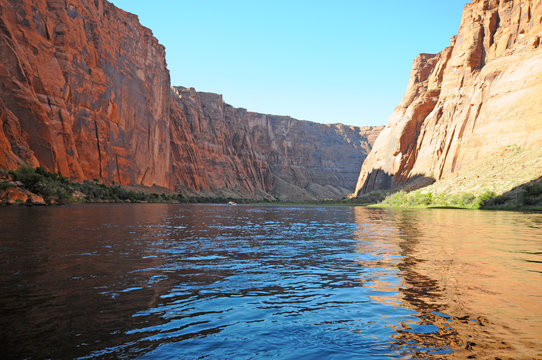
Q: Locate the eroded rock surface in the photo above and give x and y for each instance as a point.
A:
(85, 92)
(479, 95)
(234, 150)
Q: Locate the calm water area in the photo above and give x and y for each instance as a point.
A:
(169, 281)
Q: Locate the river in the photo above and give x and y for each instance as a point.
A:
(162, 281)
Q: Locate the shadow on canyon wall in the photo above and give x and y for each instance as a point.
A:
(527, 196)
(380, 184)
(380, 179)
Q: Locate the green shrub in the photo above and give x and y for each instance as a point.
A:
(515, 148)
(5, 185)
(421, 199)
(497, 200)
(532, 194)
(399, 199)
(373, 197)
(484, 198)
(52, 187)
(418, 198)
(58, 189)
(461, 200)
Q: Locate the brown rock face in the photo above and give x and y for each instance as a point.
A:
(84, 91)
(308, 160)
(234, 151)
(480, 94)
(218, 157)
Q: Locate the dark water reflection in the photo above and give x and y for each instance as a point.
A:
(202, 281)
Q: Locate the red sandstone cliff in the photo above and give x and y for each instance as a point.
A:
(480, 94)
(236, 152)
(221, 155)
(85, 92)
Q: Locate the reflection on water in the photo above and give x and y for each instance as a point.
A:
(474, 279)
(202, 281)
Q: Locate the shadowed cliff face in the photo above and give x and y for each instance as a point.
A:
(239, 152)
(311, 160)
(85, 92)
(465, 104)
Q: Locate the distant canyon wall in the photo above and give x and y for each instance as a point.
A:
(246, 152)
(85, 92)
(464, 104)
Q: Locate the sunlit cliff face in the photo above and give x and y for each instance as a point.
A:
(472, 286)
(466, 103)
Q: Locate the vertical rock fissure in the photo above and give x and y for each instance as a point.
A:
(482, 48)
(118, 172)
(149, 136)
(494, 23)
(98, 146)
(443, 163)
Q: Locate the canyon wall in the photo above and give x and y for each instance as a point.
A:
(242, 152)
(85, 92)
(464, 105)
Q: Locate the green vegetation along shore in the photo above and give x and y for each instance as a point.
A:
(511, 179)
(525, 197)
(528, 197)
(37, 186)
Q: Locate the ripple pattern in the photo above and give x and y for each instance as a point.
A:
(248, 282)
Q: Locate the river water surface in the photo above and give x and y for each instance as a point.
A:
(160, 281)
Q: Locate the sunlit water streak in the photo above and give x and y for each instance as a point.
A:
(204, 281)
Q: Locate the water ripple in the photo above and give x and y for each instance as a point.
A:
(202, 281)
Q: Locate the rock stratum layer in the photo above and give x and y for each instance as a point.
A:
(464, 105)
(85, 92)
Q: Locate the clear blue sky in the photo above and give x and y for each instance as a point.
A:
(327, 61)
